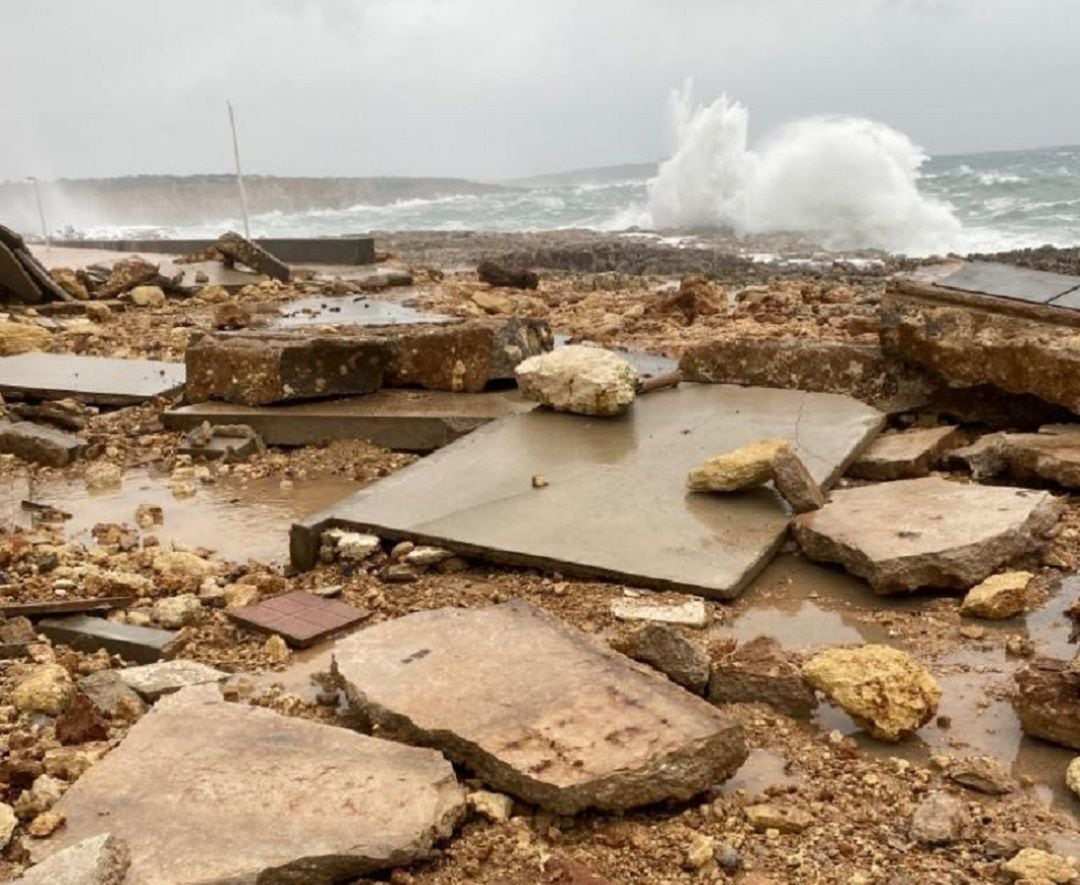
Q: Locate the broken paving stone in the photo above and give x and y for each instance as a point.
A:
(228, 443)
(760, 672)
(47, 689)
(237, 248)
(99, 860)
(88, 379)
(1052, 454)
(112, 696)
(982, 774)
(64, 606)
(1034, 865)
(998, 597)
(937, 819)
(904, 455)
(246, 770)
(665, 649)
(1046, 702)
(783, 818)
(151, 681)
(593, 730)
(691, 613)
(930, 532)
(578, 379)
(81, 722)
(301, 618)
(39, 444)
(886, 691)
(143, 645)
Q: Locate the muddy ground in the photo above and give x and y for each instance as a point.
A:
(860, 793)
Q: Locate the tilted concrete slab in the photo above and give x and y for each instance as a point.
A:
(928, 532)
(206, 791)
(536, 708)
(404, 420)
(616, 504)
(88, 379)
(1000, 280)
(144, 645)
(351, 310)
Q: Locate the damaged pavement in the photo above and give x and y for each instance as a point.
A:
(333, 574)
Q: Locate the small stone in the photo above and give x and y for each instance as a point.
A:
(45, 824)
(782, 818)
(1072, 776)
(581, 380)
(354, 546)
(539, 481)
(147, 296)
(8, 822)
(1039, 866)
(998, 597)
(276, 649)
(174, 612)
(496, 807)
(16, 338)
(761, 672)
(47, 689)
(42, 796)
(748, 466)
(937, 819)
(982, 774)
(112, 696)
(81, 722)
(492, 302)
(212, 294)
(794, 482)
(181, 562)
(241, 595)
(667, 650)
(424, 557)
(691, 613)
(701, 853)
(399, 573)
(401, 549)
(729, 859)
(103, 475)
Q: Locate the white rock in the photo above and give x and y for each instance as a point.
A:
(174, 612)
(691, 613)
(147, 296)
(582, 380)
(354, 546)
(8, 821)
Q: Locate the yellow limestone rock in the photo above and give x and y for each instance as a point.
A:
(578, 379)
(887, 692)
(1034, 865)
(18, 338)
(999, 596)
(751, 465)
(1072, 775)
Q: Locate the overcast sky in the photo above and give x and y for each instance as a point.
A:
(498, 88)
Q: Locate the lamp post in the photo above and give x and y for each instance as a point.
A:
(41, 211)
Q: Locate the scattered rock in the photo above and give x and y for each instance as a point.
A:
(794, 482)
(103, 475)
(667, 650)
(578, 379)
(1072, 776)
(1045, 701)
(982, 774)
(81, 722)
(39, 444)
(45, 824)
(512, 278)
(884, 690)
(928, 532)
(112, 696)
(496, 807)
(231, 315)
(905, 454)
(354, 546)
(16, 338)
(998, 597)
(760, 672)
(43, 795)
(147, 296)
(937, 819)
(100, 860)
(691, 613)
(241, 595)
(277, 649)
(47, 689)
(69, 281)
(173, 612)
(152, 681)
(181, 562)
(8, 822)
(701, 853)
(535, 708)
(493, 302)
(1035, 865)
(425, 557)
(782, 818)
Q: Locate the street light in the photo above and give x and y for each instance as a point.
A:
(41, 211)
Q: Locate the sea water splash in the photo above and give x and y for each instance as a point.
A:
(851, 182)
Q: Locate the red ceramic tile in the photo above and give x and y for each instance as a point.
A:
(302, 619)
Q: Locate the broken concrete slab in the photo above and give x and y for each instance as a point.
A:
(64, 606)
(39, 444)
(143, 645)
(295, 250)
(403, 420)
(691, 613)
(665, 649)
(1018, 344)
(760, 672)
(652, 533)
(853, 368)
(237, 248)
(342, 310)
(88, 379)
(266, 798)
(905, 454)
(99, 860)
(222, 442)
(994, 278)
(930, 532)
(593, 730)
(1046, 702)
(300, 618)
(22, 277)
(1051, 454)
(151, 681)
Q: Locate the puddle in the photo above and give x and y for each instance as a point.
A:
(350, 310)
(235, 518)
(297, 677)
(761, 770)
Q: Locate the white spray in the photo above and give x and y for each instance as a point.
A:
(850, 182)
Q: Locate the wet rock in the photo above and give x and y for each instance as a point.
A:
(173, 612)
(47, 689)
(212, 294)
(151, 681)
(512, 278)
(696, 296)
(937, 819)
(147, 296)
(124, 275)
(1046, 702)
(905, 455)
(1035, 865)
(100, 860)
(783, 818)
(667, 650)
(536, 709)
(982, 774)
(578, 379)
(794, 482)
(998, 597)
(1052, 454)
(884, 690)
(39, 444)
(112, 696)
(244, 771)
(760, 671)
(928, 532)
(16, 338)
(496, 807)
(746, 467)
(81, 722)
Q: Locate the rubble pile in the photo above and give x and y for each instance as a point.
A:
(575, 628)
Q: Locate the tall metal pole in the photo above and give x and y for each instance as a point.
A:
(40, 211)
(239, 174)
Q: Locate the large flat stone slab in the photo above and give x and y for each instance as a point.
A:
(143, 645)
(537, 709)
(203, 791)
(88, 379)
(403, 420)
(616, 504)
(906, 454)
(1001, 280)
(926, 532)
